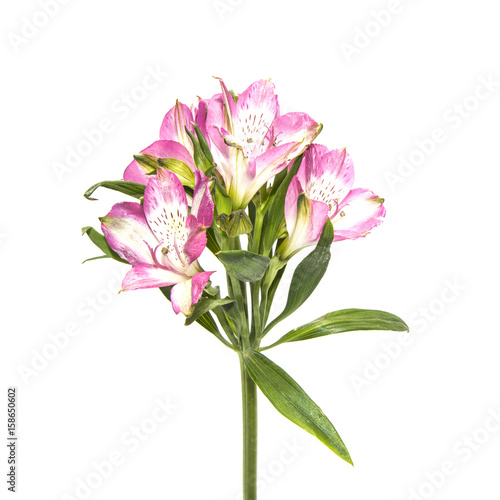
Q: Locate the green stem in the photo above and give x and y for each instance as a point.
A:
(256, 323)
(249, 399)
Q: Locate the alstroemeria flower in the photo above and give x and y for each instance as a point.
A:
(162, 239)
(173, 127)
(174, 141)
(252, 141)
(321, 189)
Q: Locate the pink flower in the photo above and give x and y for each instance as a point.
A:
(162, 240)
(321, 189)
(174, 141)
(252, 141)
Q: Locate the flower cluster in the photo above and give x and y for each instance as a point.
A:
(229, 147)
(234, 166)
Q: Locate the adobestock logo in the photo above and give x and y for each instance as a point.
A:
(86, 312)
(31, 26)
(419, 323)
(453, 119)
(367, 32)
(290, 452)
(130, 441)
(224, 6)
(121, 108)
(463, 450)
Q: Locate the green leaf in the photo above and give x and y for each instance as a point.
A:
(235, 224)
(307, 275)
(275, 212)
(271, 293)
(244, 265)
(205, 148)
(292, 401)
(131, 188)
(345, 320)
(203, 306)
(97, 258)
(180, 169)
(200, 160)
(100, 241)
(149, 163)
(280, 177)
(222, 200)
(212, 244)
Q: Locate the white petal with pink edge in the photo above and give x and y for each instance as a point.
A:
(128, 234)
(360, 211)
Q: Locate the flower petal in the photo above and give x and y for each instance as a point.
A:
(360, 211)
(128, 233)
(172, 127)
(159, 149)
(180, 296)
(305, 219)
(294, 189)
(166, 211)
(187, 293)
(256, 109)
(202, 206)
(225, 156)
(294, 127)
(196, 241)
(200, 114)
(326, 175)
(147, 276)
(257, 172)
(199, 282)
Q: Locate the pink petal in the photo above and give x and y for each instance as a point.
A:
(187, 293)
(159, 149)
(258, 171)
(229, 106)
(304, 220)
(360, 211)
(181, 235)
(147, 276)
(256, 109)
(201, 117)
(199, 282)
(294, 189)
(172, 127)
(165, 203)
(202, 206)
(326, 175)
(196, 241)
(224, 155)
(181, 298)
(128, 233)
(294, 127)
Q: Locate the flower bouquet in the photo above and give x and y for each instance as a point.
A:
(234, 177)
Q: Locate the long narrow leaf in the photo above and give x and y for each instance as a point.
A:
(203, 306)
(131, 188)
(100, 242)
(275, 213)
(307, 275)
(292, 402)
(345, 320)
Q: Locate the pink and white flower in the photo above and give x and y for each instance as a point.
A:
(174, 141)
(162, 239)
(323, 188)
(252, 141)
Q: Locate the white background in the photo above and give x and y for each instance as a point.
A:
(431, 262)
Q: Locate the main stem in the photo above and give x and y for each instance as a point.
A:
(249, 395)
